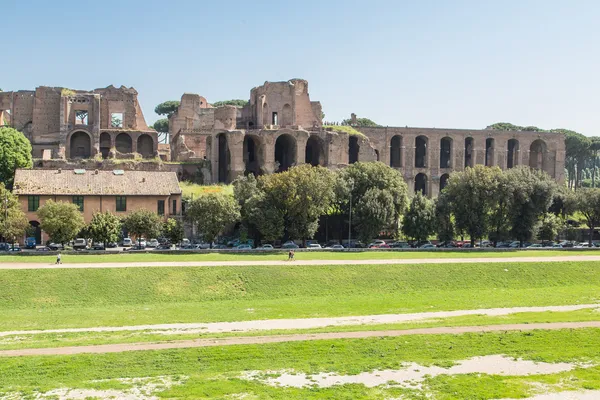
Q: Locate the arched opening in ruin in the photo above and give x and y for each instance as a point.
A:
(489, 152)
(265, 114)
(396, 152)
(105, 144)
(36, 231)
(446, 152)
(353, 149)
(253, 155)
(511, 155)
(145, 146)
(224, 158)
(315, 152)
(80, 145)
(444, 181)
(421, 183)
(469, 158)
(123, 143)
(286, 116)
(421, 152)
(285, 152)
(537, 154)
(377, 154)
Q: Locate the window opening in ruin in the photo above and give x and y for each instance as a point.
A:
(252, 156)
(421, 183)
(223, 158)
(446, 153)
(80, 145)
(444, 181)
(285, 152)
(123, 143)
(377, 154)
(421, 152)
(396, 152)
(537, 151)
(105, 144)
(145, 146)
(489, 152)
(315, 152)
(353, 150)
(469, 152)
(116, 120)
(511, 156)
(81, 117)
(275, 122)
(5, 118)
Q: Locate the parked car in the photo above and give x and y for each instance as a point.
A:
(14, 247)
(98, 246)
(427, 246)
(400, 245)
(244, 247)
(336, 247)
(557, 246)
(447, 245)
(220, 247)
(153, 243)
(126, 242)
(289, 245)
(266, 247)
(141, 242)
(112, 245)
(376, 243)
(30, 243)
(164, 246)
(55, 246)
(4, 246)
(314, 246)
(45, 248)
(535, 246)
(380, 246)
(80, 244)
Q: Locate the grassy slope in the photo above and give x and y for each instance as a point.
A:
(214, 372)
(191, 189)
(38, 299)
(123, 257)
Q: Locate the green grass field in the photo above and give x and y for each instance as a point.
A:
(61, 298)
(124, 257)
(217, 372)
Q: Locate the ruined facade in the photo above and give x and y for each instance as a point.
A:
(75, 124)
(280, 127)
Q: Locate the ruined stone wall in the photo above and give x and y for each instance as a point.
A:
(225, 117)
(46, 115)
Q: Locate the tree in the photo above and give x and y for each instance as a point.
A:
(588, 203)
(577, 152)
(13, 222)
(564, 202)
(498, 217)
(105, 227)
(244, 188)
(142, 223)
(419, 220)
(267, 214)
(532, 192)
(61, 221)
(549, 227)
(162, 127)
(235, 102)
(15, 152)
(360, 122)
(167, 108)
(375, 210)
(212, 213)
(172, 229)
(443, 218)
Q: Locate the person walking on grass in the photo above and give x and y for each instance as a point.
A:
(58, 258)
(291, 255)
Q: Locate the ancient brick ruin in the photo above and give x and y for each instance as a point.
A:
(76, 124)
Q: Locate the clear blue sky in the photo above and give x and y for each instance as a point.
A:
(428, 63)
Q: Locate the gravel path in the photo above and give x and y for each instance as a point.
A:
(305, 323)
(481, 260)
(248, 340)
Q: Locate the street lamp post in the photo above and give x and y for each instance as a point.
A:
(350, 216)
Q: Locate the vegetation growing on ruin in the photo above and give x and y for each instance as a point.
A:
(345, 129)
(236, 102)
(67, 92)
(193, 190)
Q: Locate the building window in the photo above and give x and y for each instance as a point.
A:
(275, 120)
(121, 203)
(161, 207)
(174, 209)
(33, 203)
(78, 200)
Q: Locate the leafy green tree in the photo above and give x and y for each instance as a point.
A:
(143, 223)
(244, 188)
(549, 227)
(419, 220)
(564, 202)
(578, 150)
(531, 196)
(161, 125)
(498, 217)
(505, 126)
(443, 218)
(105, 227)
(267, 213)
(212, 213)
(469, 195)
(235, 102)
(588, 203)
(366, 122)
(167, 108)
(172, 229)
(61, 221)
(15, 152)
(13, 222)
(375, 210)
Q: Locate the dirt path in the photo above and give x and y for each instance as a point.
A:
(481, 260)
(304, 323)
(183, 344)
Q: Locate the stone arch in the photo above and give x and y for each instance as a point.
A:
(490, 145)
(469, 156)
(105, 144)
(37, 231)
(224, 158)
(396, 151)
(286, 116)
(421, 183)
(446, 152)
(145, 146)
(444, 181)
(285, 152)
(512, 159)
(537, 154)
(353, 149)
(80, 145)
(123, 143)
(421, 151)
(253, 155)
(315, 151)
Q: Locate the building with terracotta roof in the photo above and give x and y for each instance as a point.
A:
(117, 191)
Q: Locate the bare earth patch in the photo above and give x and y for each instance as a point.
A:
(572, 395)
